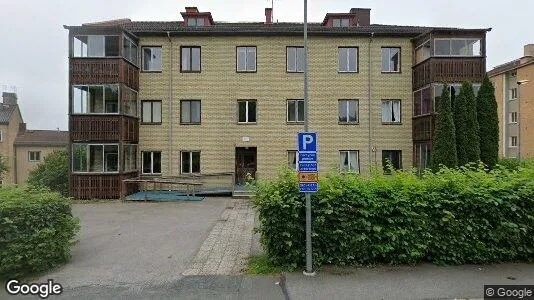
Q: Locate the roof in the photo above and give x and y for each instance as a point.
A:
(42, 138)
(511, 65)
(5, 113)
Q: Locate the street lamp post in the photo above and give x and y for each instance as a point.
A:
(519, 83)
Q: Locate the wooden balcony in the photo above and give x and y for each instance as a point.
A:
(104, 128)
(103, 71)
(449, 70)
(423, 128)
(100, 186)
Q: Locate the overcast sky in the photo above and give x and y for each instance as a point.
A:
(33, 43)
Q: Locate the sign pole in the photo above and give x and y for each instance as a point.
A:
(309, 266)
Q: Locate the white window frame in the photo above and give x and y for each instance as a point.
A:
(389, 55)
(450, 47)
(151, 162)
(289, 163)
(297, 101)
(347, 105)
(295, 69)
(246, 111)
(246, 49)
(32, 158)
(151, 68)
(348, 157)
(382, 112)
(87, 160)
(190, 153)
(512, 139)
(512, 118)
(103, 86)
(347, 62)
(513, 93)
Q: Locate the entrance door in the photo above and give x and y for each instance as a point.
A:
(245, 164)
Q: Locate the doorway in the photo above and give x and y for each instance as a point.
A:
(245, 164)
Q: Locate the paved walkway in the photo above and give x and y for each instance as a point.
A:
(229, 244)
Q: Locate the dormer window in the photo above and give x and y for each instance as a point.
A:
(340, 22)
(195, 22)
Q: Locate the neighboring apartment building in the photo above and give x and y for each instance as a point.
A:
(198, 96)
(514, 92)
(23, 149)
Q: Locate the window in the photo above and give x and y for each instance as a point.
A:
(129, 101)
(195, 22)
(246, 111)
(348, 111)
(340, 22)
(422, 52)
(292, 159)
(512, 117)
(246, 59)
(1, 136)
(348, 59)
(391, 111)
(190, 61)
(34, 155)
(393, 157)
(295, 59)
(151, 162)
(151, 59)
(457, 47)
(130, 50)
(95, 99)
(295, 111)
(151, 112)
(513, 141)
(99, 158)
(513, 93)
(190, 162)
(130, 157)
(454, 91)
(422, 156)
(190, 111)
(95, 46)
(391, 59)
(349, 161)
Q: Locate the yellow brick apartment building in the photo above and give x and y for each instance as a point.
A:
(163, 99)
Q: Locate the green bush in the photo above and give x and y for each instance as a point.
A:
(53, 173)
(456, 216)
(514, 163)
(36, 231)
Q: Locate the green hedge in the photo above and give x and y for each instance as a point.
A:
(451, 217)
(36, 231)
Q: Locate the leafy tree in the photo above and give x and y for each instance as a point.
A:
(53, 173)
(466, 125)
(444, 148)
(488, 123)
(3, 166)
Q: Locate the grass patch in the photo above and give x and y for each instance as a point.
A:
(260, 265)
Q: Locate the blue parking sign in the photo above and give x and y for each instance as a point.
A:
(307, 141)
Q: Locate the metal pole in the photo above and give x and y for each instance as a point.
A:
(519, 122)
(309, 265)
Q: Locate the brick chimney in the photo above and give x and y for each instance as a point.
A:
(362, 16)
(22, 127)
(191, 10)
(528, 50)
(268, 16)
(9, 98)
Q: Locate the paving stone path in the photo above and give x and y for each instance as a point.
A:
(229, 244)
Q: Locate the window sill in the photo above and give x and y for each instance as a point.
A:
(255, 71)
(294, 123)
(424, 115)
(148, 71)
(348, 72)
(182, 71)
(391, 123)
(190, 123)
(295, 72)
(348, 123)
(391, 72)
(95, 173)
(150, 123)
(247, 123)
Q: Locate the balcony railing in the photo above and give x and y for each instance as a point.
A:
(101, 186)
(104, 128)
(104, 71)
(449, 70)
(423, 128)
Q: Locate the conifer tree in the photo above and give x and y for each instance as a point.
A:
(444, 144)
(466, 125)
(488, 123)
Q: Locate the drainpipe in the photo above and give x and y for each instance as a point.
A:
(369, 97)
(170, 104)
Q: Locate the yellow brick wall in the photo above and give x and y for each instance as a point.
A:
(6, 146)
(526, 100)
(219, 87)
(24, 166)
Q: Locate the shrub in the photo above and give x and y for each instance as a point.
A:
(36, 231)
(53, 173)
(456, 216)
(488, 123)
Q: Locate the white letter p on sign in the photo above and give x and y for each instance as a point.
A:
(307, 139)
